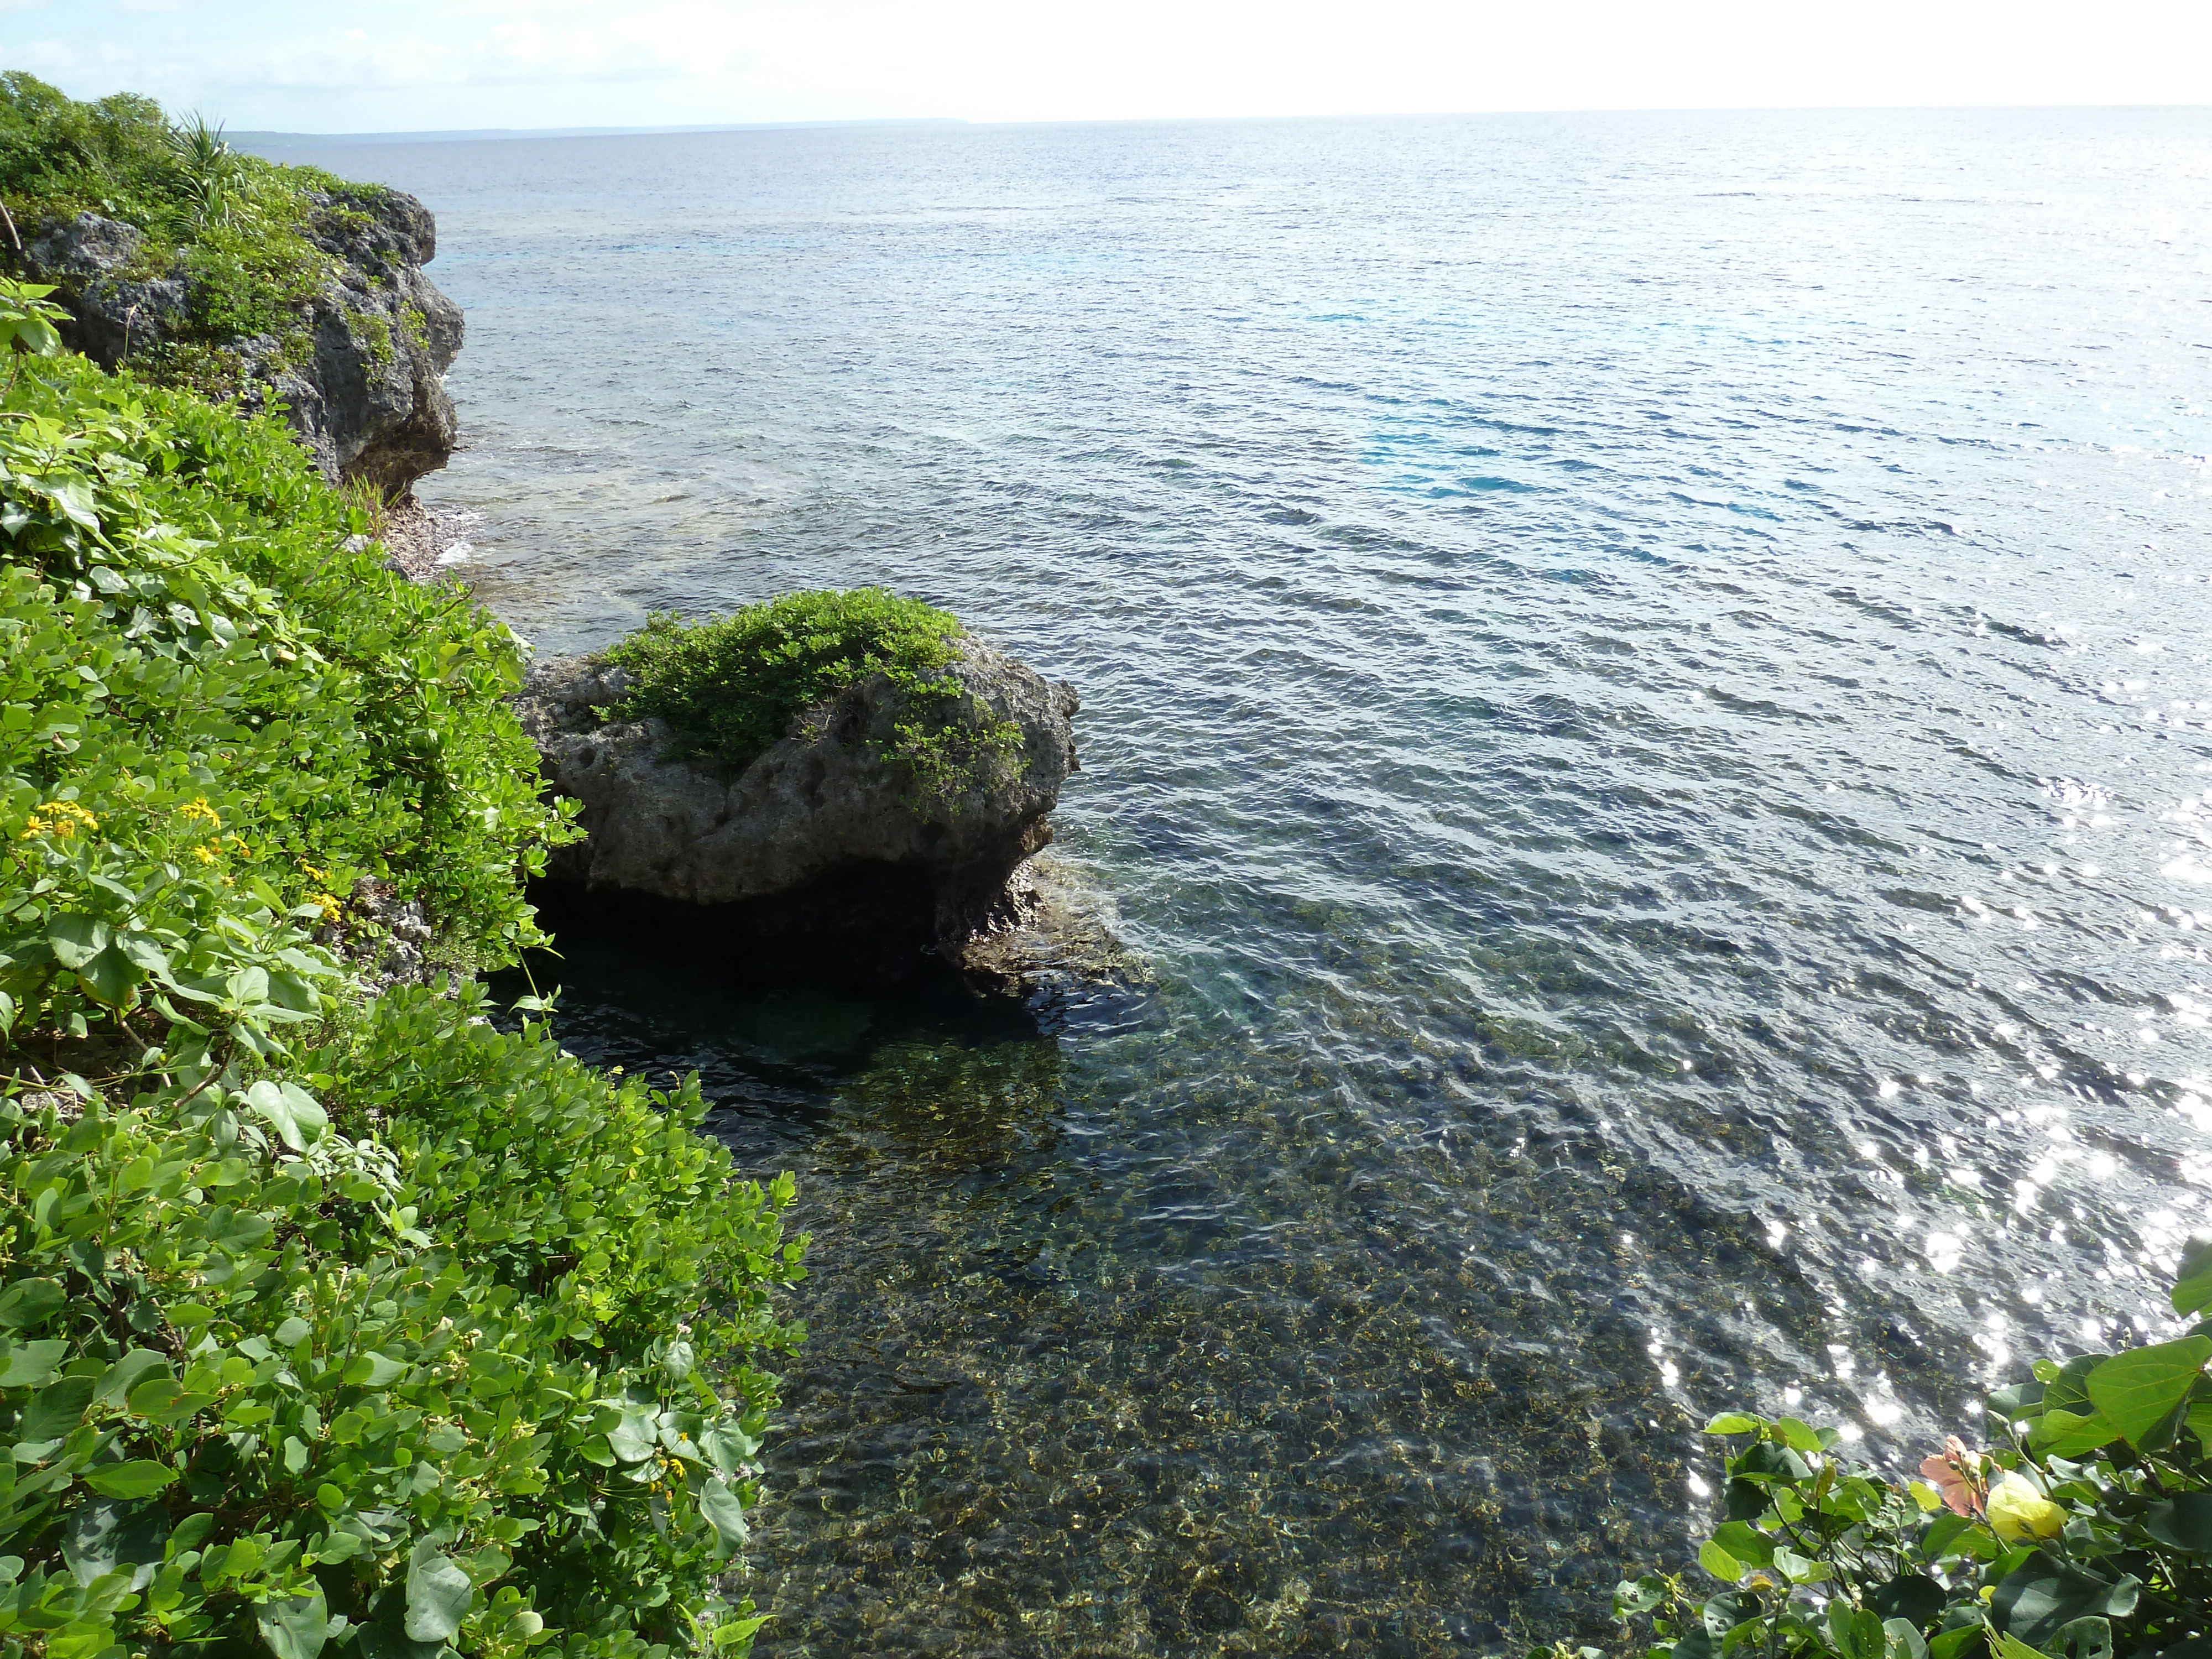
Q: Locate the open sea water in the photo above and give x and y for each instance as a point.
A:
(1645, 697)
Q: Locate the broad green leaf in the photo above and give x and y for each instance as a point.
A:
(77, 940)
(163, 1401)
(725, 1513)
(1799, 1437)
(1961, 1643)
(636, 1437)
(128, 1372)
(2088, 1638)
(297, 1117)
(73, 497)
(2011, 1647)
(1858, 1633)
(1725, 1612)
(28, 1365)
(29, 1302)
(1744, 1542)
(1901, 1639)
(56, 1409)
(2045, 1593)
(2139, 1389)
(140, 1478)
(439, 1595)
(1961, 1535)
(2018, 1400)
(294, 1627)
(2069, 1390)
(110, 978)
(1799, 1569)
(339, 1546)
(1734, 1423)
(385, 1637)
(375, 1370)
(1719, 1563)
(1912, 1596)
(2192, 1282)
(2183, 1522)
(1764, 1458)
(730, 1447)
(109, 1535)
(1636, 1595)
(2070, 1434)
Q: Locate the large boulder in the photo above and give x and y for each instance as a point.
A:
(360, 369)
(822, 846)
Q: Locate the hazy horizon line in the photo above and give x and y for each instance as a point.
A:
(459, 134)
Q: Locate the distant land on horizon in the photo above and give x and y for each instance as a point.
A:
(475, 134)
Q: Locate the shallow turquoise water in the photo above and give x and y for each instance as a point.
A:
(1645, 692)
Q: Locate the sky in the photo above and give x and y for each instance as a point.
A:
(305, 66)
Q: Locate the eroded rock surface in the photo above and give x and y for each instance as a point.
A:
(822, 845)
(1058, 944)
(362, 374)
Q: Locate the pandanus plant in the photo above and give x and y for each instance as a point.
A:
(212, 174)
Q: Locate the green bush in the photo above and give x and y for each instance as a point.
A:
(2085, 1531)
(731, 688)
(214, 720)
(327, 1325)
(426, 1344)
(241, 228)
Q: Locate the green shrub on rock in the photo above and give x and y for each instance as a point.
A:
(2084, 1531)
(730, 687)
(243, 230)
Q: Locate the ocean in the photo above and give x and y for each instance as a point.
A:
(1645, 699)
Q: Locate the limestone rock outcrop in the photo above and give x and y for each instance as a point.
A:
(362, 372)
(822, 845)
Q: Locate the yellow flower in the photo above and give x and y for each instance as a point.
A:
(198, 808)
(2018, 1512)
(330, 906)
(204, 854)
(60, 819)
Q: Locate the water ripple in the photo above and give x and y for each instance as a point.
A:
(1644, 690)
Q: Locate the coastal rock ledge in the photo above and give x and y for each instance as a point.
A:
(820, 849)
(358, 369)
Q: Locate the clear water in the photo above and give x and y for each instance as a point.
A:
(1646, 693)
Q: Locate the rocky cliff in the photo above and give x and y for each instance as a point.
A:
(357, 362)
(821, 847)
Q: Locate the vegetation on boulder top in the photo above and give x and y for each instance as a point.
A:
(731, 688)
